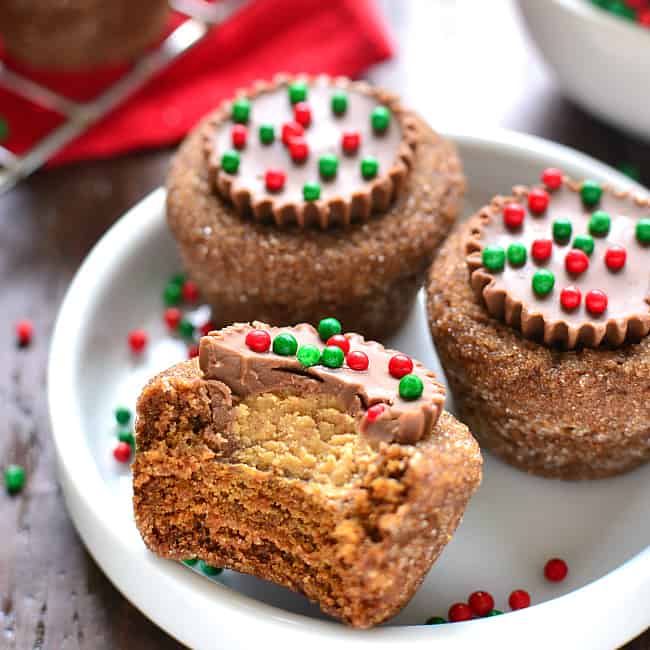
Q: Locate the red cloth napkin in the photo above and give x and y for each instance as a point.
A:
(267, 36)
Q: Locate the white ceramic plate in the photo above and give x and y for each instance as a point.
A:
(512, 526)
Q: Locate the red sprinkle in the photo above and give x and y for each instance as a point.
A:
(459, 612)
(173, 317)
(519, 599)
(644, 18)
(190, 291)
(291, 130)
(350, 141)
(374, 412)
(302, 113)
(239, 134)
(481, 603)
(206, 328)
(615, 258)
(258, 340)
(122, 452)
(513, 215)
(576, 261)
(541, 249)
(193, 351)
(138, 340)
(556, 570)
(596, 302)
(339, 341)
(24, 332)
(570, 298)
(274, 179)
(552, 178)
(400, 365)
(357, 360)
(538, 200)
(298, 149)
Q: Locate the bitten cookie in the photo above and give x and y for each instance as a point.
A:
(322, 462)
(539, 309)
(304, 197)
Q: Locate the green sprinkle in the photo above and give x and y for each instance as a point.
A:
(328, 327)
(585, 243)
(328, 165)
(297, 92)
(435, 620)
(230, 161)
(643, 231)
(380, 118)
(339, 102)
(267, 133)
(619, 8)
(186, 328)
(178, 278)
(369, 167)
(517, 254)
(285, 344)
(122, 415)
(410, 387)
(172, 294)
(543, 282)
(191, 561)
(590, 193)
(494, 258)
(4, 130)
(127, 436)
(600, 223)
(494, 612)
(311, 191)
(14, 478)
(241, 110)
(332, 356)
(208, 569)
(562, 230)
(308, 355)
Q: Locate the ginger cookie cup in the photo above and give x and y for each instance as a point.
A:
(77, 34)
(310, 196)
(539, 309)
(319, 461)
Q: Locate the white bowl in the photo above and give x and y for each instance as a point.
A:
(512, 526)
(601, 61)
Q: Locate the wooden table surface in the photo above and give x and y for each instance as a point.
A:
(461, 62)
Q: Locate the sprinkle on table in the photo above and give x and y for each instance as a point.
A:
(302, 114)
(519, 599)
(122, 415)
(562, 230)
(24, 332)
(380, 118)
(332, 356)
(570, 298)
(350, 141)
(308, 355)
(298, 149)
(186, 328)
(328, 165)
(357, 360)
(339, 341)
(208, 569)
(137, 340)
(297, 92)
(369, 167)
(291, 130)
(541, 250)
(172, 294)
(230, 161)
(459, 612)
(555, 570)
(538, 200)
(591, 192)
(513, 215)
(128, 437)
(494, 258)
(122, 452)
(410, 387)
(258, 340)
(576, 261)
(600, 223)
(400, 365)
(14, 478)
(267, 133)
(327, 327)
(436, 620)
(172, 317)
(241, 109)
(339, 102)
(285, 344)
(543, 282)
(584, 243)
(238, 136)
(494, 612)
(311, 191)
(190, 291)
(481, 603)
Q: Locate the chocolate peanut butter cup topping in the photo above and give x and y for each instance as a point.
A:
(568, 263)
(394, 397)
(310, 150)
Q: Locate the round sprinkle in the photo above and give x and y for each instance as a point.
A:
(172, 317)
(172, 294)
(241, 109)
(332, 356)
(178, 278)
(556, 570)
(369, 167)
(128, 437)
(122, 452)
(258, 340)
(541, 249)
(643, 231)
(596, 302)
(576, 261)
(494, 258)
(590, 193)
(374, 412)
(584, 243)
(519, 599)
(543, 282)
(339, 102)
(285, 344)
(328, 165)
(311, 191)
(538, 200)
(615, 258)
(410, 387)
(570, 298)
(400, 365)
(207, 327)
(190, 291)
(190, 561)
(193, 351)
(24, 332)
(495, 612)
(291, 130)
(600, 223)
(328, 327)
(513, 215)
(459, 612)
(186, 328)
(208, 569)
(122, 415)
(274, 179)
(267, 133)
(230, 161)
(298, 149)
(517, 254)
(137, 340)
(562, 230)
(297, 92)
(350, 141)
(380, 118)
(481, 602)
(339, 341)
(552, 178)
(238, 136)
(302, 113)
(14, 478)
(308, 355)
(357, 360)
(435, 620)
